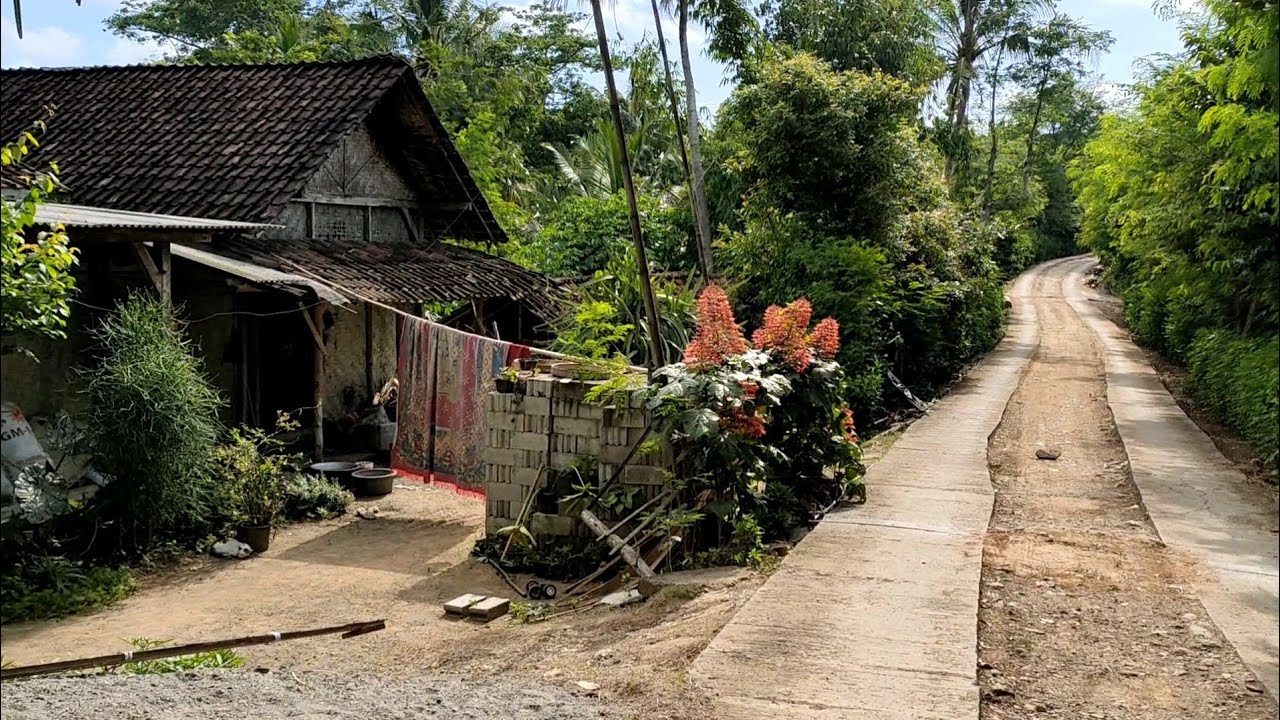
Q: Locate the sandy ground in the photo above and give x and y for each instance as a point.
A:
(400, 567)
(1084, 614)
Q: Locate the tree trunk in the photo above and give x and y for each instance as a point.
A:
(637, 236)
(987, 192)
(1031, 136)
(695, 143)
(704, 246)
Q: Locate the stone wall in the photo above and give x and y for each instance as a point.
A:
(516, 450)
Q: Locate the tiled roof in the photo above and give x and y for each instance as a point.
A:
(235, 142)
(396, 272)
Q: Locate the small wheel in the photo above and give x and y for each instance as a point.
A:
(535, 592)
(529, 586)
(549, 591)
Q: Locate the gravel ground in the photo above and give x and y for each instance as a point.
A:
(235, 695)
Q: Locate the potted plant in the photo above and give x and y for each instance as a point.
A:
(506, 382)
(255, 478)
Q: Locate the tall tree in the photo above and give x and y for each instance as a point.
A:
(889, 36)
(732, 31)
(967, 30)
(704, 243)
(637, 234)
(1057, 52)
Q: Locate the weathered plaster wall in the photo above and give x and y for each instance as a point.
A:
(344, 377)
(107, 275)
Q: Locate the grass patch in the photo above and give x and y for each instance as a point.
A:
(60, 588)
(212, 660)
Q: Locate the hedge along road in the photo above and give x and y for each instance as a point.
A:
(874, 615)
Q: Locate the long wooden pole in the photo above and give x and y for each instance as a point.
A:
(348, 630)
(642, 259)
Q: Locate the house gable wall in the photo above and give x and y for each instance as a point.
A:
(356, 196)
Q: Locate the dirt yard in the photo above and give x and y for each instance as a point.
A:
(401, 567)
(1084, 614)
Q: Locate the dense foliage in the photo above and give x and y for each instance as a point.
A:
(758, 432)
(153, 419)
(845, 205)
(1180, 200)
(37, 284)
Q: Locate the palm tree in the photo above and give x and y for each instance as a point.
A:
(967, 30)
(731, 28)
(637, 235)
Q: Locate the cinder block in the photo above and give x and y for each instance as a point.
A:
(535, 406)
(510, 492)
(503, 456)
(460, 604)
(613, 454)
(544, 524)
(525, 476)
(528, 441)
(591, 411)
(577, 426)
(489, 608)
(643, 475)
(538, 387)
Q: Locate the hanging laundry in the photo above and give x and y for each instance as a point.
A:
(445, 376)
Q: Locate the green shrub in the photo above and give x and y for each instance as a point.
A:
(1239, 379)
(154, 427)
(311, 497)
(52, 586)
(215, 659)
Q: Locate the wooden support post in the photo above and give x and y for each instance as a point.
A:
(316, 321)
(166, 273)
(159, 275)
(368, 351)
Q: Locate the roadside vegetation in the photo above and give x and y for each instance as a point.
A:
(1180, 198)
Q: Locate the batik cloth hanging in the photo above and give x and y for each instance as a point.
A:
(445, 377)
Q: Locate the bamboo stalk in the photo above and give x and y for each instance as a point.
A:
(348, 630)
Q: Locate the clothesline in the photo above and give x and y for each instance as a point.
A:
(346, 291)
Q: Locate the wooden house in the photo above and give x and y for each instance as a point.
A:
(283, 208)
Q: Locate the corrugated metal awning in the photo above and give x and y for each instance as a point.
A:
(257, 273)
(93, 217)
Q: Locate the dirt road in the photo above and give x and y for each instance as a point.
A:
(1085, 613)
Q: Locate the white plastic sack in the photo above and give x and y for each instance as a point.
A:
(18, 445)
(232, 549)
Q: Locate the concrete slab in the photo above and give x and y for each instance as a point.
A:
(1200, 504)
(873, 615)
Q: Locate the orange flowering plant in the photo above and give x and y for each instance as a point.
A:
(764, 430)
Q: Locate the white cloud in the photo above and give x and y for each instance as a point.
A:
(46, 46)
(128, 52)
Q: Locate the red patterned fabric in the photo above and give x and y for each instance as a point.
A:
(445, 377)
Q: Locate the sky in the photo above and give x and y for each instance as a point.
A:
(58, 33)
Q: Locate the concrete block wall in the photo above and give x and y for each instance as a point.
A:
(517, 442)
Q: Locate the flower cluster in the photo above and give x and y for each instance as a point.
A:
(847, 426)
(786, 332)
(826, 338)
(743, 423)
(718, 335)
